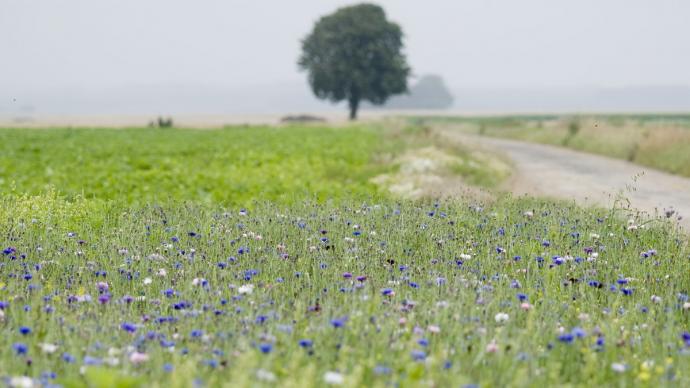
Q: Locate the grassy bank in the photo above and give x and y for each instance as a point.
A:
(658, 141)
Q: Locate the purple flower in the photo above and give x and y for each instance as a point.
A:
(128, 327)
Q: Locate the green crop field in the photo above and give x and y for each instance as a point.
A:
(267, 257)
(231, 166)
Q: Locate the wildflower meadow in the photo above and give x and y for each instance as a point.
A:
(152, 258)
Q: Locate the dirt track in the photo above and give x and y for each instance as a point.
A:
(589, 179)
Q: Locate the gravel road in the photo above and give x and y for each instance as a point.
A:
(550, 171)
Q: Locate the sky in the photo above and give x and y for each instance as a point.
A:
(96, 47)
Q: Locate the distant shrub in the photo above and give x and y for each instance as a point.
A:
(161, 122)
(573, 130)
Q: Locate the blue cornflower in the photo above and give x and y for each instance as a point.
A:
(578, 332)
(418, 355)
(305, 343)
(265, 348)
(521, 297)
(128, 327)
(20, 348)
(196, 333)
(68, 358)
(387, 291)
(338, 322)
(566, 338)
(24, 330)
(423, 342)
(88, 360)
(168, 367)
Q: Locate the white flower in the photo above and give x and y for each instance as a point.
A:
(434, 329)
(147, 281)
(656, 299)
(618, 367)
(334, 378)
(22, 382)
(48, 348)
(138, 358)
(162, 272)
(594, 236)
(246, 289)
(265, 375)
(501, 317)
(686, 306)
(528, 214)
(112, 361)
(465, 256)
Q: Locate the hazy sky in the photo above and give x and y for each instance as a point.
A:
(101, 44)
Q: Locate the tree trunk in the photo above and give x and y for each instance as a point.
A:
(354, 105)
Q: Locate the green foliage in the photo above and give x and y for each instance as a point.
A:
(355, 54)
(230, 166)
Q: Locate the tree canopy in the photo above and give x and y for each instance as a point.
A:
(355, 54)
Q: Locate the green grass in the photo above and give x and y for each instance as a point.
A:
(437, 274)
(658, 141)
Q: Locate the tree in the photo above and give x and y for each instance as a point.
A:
(430, 92)
(355, 54)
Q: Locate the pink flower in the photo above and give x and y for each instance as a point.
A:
(138, 358)
(492, 347)
(525, 306)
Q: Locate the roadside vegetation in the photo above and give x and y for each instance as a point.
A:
(658, 141)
